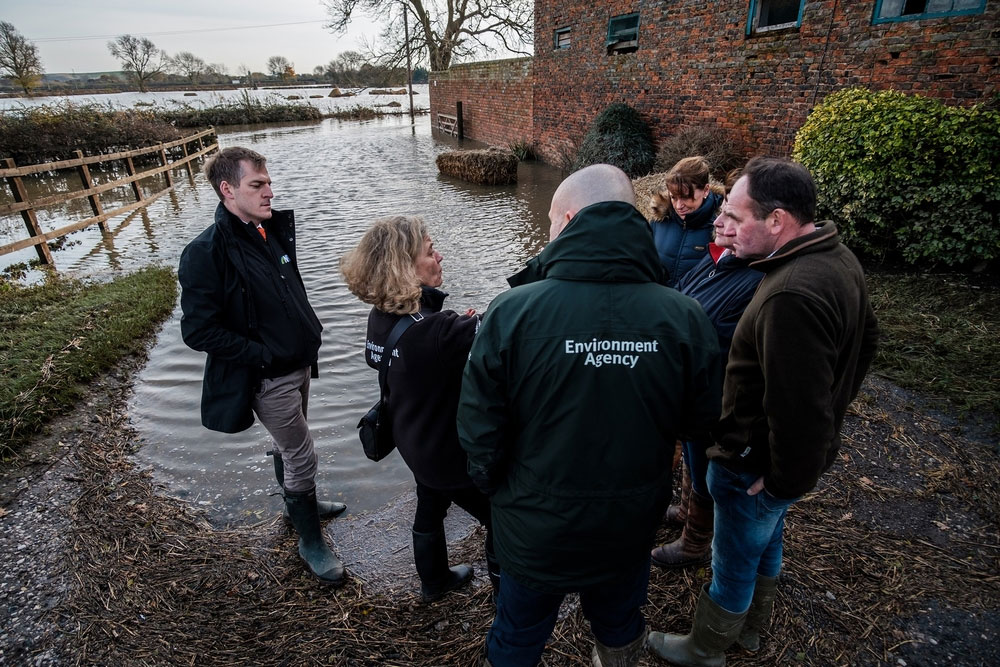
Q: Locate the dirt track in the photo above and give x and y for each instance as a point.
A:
(894, 559)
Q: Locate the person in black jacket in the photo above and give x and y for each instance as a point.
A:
(396, 269)
(723, 284)
(244, 303)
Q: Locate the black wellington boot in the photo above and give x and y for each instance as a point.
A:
(430, 554)
(313, 548)
(327, 510)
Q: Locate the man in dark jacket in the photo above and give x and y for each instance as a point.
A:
(244, 303)
(798, 356)
(578, 384)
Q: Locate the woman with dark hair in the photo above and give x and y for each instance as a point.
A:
(685, 209)
(723, 284)
(396, 269)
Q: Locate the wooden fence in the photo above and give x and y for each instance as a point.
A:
(205, 142)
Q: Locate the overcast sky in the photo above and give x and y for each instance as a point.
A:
(72, 35)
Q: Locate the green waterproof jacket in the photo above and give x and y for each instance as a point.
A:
(577, 386)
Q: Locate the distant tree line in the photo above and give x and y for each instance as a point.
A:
(145, 65)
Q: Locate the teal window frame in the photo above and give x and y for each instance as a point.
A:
(752, 15)
(923, 15)
(556, 34)
(617, 35)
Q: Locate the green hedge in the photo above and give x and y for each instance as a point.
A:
(618, 136)
(52, 132)
(906, 177)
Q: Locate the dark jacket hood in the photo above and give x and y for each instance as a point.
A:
(604, 242)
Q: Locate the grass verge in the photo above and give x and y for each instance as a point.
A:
(62, 334)
(941, 337)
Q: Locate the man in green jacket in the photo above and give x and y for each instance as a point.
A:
(798, 357)
(579, 383)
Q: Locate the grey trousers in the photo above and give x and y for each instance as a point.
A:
(281, 404)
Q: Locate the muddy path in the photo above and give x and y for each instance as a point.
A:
(894, 559)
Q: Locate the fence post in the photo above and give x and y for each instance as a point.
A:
(459, 124)
(95, 202)
(130, 168)
(187, 162)
(163, 161)
(30, 220)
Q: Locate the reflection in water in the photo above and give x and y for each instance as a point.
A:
(338, 177)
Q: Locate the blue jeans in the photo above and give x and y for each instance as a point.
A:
(525, 617)
(748, 536)
(697, 463)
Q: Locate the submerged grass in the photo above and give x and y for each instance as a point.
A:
(941, 337)
(59, 335)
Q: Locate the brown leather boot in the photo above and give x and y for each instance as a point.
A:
(694, 546)
(676, 515)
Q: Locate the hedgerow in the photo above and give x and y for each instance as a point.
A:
(906, 177)
(618, 136)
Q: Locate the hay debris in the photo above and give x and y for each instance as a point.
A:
(491, 166)
(900, 539)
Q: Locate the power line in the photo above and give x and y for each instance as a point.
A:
(175, 32)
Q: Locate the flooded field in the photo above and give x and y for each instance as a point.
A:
(338, 177)
(315, 96)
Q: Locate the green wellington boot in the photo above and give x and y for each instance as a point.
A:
(327, 510)
(714, 630)
(430, 554)
(313, 548)
(625, 656)
(759, 613)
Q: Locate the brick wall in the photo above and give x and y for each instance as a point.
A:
(696, 66)
(496, 99)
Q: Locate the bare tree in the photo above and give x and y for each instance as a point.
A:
(445, 29)
(19, 58)
(188, 64)
(139, 57)
(278, 65)
(217, 70)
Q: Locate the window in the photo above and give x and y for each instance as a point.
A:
(623, 34)
(908, 10)
(766, 15)
(560, 38)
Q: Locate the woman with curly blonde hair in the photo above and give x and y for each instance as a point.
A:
(396, 269)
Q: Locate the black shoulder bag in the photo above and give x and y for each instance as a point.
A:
(375, 428)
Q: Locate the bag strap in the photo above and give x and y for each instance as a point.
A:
(390, 346)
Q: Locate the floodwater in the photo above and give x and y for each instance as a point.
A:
(170, 100)
(338, 177)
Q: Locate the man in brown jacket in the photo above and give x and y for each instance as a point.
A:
(798, 357)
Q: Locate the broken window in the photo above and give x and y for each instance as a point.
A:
(623, 34)
(908, 10)
(766, 15)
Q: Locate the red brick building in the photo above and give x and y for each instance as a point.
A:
(753, 67)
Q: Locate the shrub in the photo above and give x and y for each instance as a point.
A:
(618, 136)
(718, 148)
(52, 132)
(242, 110)
(906, 176)
(523, 149)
